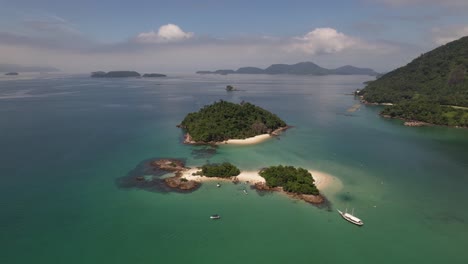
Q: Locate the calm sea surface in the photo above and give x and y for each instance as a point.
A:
(65, 140)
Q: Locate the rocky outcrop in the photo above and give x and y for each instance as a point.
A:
(313, 199)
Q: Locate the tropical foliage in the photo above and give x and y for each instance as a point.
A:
(423, 89)
(224, 120)
(223, 170)
(296, 180)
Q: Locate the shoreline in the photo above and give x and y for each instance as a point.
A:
(322, 180)
(245, 141)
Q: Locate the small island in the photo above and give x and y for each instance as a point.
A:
(115, 74)
(11, 73)
(296, 182)
(230, 88)
(153, 75)
(224, 121)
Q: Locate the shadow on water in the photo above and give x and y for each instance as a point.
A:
(204, 152)
(345, 197)
(147, 177)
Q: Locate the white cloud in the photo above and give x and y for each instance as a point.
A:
(441, 36)
(323, 40)
(166, 33)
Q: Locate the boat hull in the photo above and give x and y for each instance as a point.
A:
(350, 219)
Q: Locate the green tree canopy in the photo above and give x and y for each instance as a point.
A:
(224, 120)
(295, 180)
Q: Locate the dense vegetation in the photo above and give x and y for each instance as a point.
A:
(425, 88)
(224, 120)
(114, 74)
(295, 180)
(429, 112)
(223, 170)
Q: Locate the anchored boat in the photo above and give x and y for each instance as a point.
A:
(215, 216)
(351, 218)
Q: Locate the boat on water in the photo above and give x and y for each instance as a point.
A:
(218, 185)
(351, 218)
(215, 216)
(245, 191)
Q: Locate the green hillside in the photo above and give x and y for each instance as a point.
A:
(428, 88)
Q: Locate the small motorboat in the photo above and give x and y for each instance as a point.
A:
(215, 217)
(218, 185)
(245, 191)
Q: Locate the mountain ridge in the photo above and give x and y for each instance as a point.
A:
(301, 68)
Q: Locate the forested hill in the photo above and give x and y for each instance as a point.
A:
(432, 88)
(301, 68)
(224, 120)
(440, 75)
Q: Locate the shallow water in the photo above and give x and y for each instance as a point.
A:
(65, 140)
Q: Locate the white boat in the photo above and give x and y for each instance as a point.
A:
(218, 185)
(351, 218)
(215, 216)
(245, 191)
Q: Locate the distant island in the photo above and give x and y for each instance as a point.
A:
(122, 74)
(11, 73)
(153, 75)
(302, 68)
(115, 74)
(223, 121)
(432, 89)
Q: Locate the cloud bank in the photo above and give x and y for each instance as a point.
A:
(166, 33)
(171, 49)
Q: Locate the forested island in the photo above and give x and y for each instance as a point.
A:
(223, 120)
(301, 68)
(433, 88)
(153, 75)
(291, 179)
(115, 74)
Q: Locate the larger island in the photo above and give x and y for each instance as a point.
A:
(223, 121)
(124, 74)
(431, 89)
(301, 68)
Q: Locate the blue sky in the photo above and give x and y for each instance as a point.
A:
(189, 35)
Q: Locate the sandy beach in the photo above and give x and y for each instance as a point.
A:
(245, 176)
(322, 180)
(247, 141)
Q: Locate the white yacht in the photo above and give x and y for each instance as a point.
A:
(351, 218)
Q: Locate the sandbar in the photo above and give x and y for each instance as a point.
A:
(322, 180)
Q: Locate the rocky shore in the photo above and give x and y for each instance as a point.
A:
(313, 199)
(415, 123)
(176, 181)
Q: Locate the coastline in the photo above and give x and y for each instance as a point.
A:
(323, 180)
(245, 141)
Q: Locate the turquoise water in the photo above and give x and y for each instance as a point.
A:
(65, 141)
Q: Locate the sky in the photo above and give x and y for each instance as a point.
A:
(186, 36)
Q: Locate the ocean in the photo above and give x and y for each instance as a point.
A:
(66, 140)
